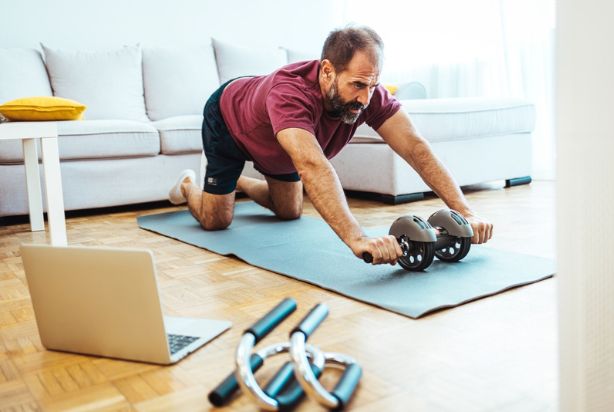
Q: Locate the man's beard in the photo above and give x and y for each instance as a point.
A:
(341, 109)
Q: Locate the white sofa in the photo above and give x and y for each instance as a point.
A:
(143, 121)
(477, 139)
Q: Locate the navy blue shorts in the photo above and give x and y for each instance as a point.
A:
(225, 160)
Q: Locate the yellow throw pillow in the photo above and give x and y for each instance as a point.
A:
(392, 88)
(42, 108)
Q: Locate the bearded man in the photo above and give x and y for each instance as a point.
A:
(290, 123)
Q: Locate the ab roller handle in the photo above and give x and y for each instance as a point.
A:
(367, 257)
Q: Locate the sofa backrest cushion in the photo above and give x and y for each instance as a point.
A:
(178, 81)
(109, 83)
(234, 61)
(22, 74)
(299, 55)
(180, 134)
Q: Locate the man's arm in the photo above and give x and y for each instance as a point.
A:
(324, 189)
(403, 138)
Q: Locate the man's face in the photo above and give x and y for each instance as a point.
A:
(351, 90)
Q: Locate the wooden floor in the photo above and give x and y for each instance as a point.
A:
(495, 354)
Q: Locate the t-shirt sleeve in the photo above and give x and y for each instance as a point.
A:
(382, 106)
(288, 106)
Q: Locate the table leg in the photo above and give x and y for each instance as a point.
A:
(33, 183)
(53, 190)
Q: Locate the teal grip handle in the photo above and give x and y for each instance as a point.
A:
(313, 319)
(224, 391)
(345, 388)
(272, 319)
(280, 380)
(294, 393)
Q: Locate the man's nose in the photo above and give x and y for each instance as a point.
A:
(363, 97)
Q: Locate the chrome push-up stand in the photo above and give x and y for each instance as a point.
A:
(296, 377)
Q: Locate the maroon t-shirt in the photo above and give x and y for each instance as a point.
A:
(255, 109)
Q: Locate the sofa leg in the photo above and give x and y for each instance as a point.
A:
(524, 180)
(388, 199)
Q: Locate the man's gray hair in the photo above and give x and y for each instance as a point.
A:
(341, 45)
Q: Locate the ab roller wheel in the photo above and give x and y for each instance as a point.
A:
(454, 237)
(417, 240)
(295, 378)
(446, 234)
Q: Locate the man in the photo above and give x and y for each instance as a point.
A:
(295, 119)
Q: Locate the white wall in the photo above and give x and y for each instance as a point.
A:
(82, 24)
(472, 48)
(585, 169)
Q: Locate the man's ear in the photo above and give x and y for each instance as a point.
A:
(327, 69)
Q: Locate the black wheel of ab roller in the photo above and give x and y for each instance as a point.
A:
(419, 255)
(454, 237)
(454, 251)
(416, 239)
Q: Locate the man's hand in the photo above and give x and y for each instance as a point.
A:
(383, 249)
(404, 139)
(482, 228)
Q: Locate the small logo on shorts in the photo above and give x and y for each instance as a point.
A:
(212, 181)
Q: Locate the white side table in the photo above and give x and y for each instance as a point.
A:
(47, 132)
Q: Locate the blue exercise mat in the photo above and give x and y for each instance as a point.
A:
(307, 249)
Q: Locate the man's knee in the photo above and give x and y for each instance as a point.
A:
(216, 222)
(289, 212)
(209, 224)
(217, 211)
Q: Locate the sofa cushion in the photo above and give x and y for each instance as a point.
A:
(233, 61)
(93, 139)
(109, 83)
(180, 134)
(22, 74)
(440, 120)
(178, 81)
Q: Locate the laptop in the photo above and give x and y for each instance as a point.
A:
(105, 302)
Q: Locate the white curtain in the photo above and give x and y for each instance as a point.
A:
(490, 48)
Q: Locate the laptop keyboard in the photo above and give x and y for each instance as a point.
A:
(178, 342)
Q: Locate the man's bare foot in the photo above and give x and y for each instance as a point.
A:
(240, 184)
(177, 195)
